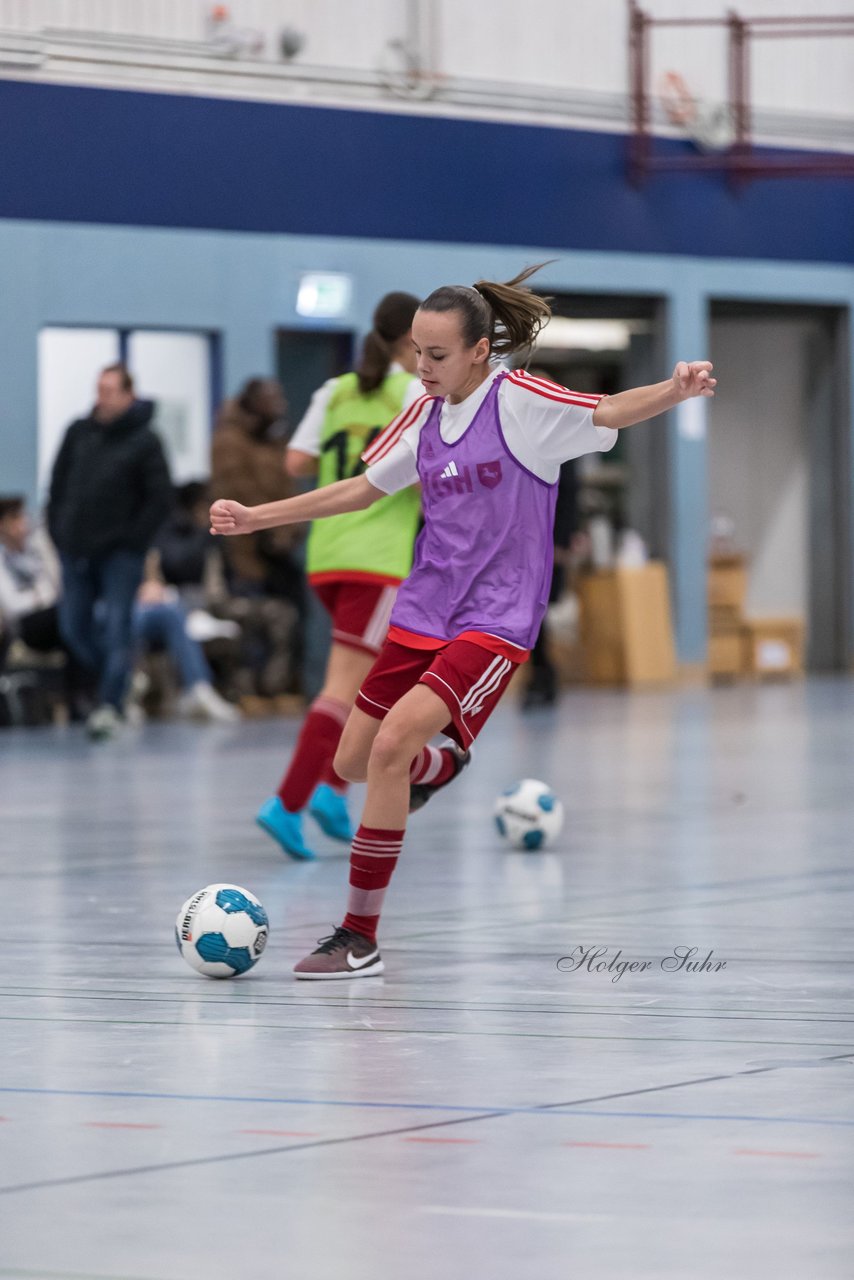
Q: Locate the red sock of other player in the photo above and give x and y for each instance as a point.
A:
(315, 751)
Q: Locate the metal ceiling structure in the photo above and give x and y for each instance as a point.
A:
(740, 159)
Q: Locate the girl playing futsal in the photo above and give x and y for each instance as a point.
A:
(486, 446)
(356, 561)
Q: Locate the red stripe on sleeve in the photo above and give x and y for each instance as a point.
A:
(552, 390)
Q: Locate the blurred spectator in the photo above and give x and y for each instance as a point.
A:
(248, 465)
(159, 621)
(29, 591)
(190, 558)
(109, 493)
(29, 577)
(264, 570)
(184, 580)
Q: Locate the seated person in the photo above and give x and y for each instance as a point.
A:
(189, 556)
(264, 570)
(30, 584)
(160, 621)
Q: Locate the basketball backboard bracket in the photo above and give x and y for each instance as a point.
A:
(738, 158)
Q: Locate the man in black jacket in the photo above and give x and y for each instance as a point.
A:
(109, 493)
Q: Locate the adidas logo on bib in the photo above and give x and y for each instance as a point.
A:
(459, 480)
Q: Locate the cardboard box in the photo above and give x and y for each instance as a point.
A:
(726, 655)
(727, 582)
(626, 631)
(773, 647)
(724, 619)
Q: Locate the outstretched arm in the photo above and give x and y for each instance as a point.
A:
(628, 407)
(228, 517)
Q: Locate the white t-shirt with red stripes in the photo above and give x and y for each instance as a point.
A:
(308, 435)
(543, 424)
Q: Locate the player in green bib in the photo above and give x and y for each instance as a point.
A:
(356, 561)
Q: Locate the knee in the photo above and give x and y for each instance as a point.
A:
(349, 765)
(172, 620)
(390, 752)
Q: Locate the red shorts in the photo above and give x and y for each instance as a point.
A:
(468, 678)
(359, 611)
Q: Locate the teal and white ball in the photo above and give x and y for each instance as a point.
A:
(222, 930)
(529, 815)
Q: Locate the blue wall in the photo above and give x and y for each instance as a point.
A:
(129, 210)
(244, 287)
(104, 155)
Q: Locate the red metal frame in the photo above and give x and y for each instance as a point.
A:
(739, 161)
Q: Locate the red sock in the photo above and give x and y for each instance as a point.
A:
(373, 858)
(434, 765)
(315, 751)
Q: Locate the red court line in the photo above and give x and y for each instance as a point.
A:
(791, 1155)
(612, 1146)
(282, 1133)
(467, 1142)
(116, 1124)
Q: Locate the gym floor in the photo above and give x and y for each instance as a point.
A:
(490, 1107)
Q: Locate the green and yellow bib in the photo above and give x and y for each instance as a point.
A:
(378, 541)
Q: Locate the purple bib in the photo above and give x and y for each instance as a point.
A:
(483, 561)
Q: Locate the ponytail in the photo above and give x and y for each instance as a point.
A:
(392, 321)
(510, 315)
(374, 364)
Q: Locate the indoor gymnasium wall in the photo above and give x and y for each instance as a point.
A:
(758, 455)
(110, 156)
(433, 56)
(133, 210)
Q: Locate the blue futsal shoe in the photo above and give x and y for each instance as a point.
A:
(329, 810)
(285, 828)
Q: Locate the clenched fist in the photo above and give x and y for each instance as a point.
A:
(694, 379)
(230, 517)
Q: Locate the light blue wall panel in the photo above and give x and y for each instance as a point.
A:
(244, 286)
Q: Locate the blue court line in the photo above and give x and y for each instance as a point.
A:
(422, 1106)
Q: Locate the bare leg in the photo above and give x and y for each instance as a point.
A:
(354, 749)
(351, 951)
(346, 671)
(409, 726)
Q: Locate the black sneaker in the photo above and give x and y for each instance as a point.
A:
(344, 954)
(420, 792)
(541, 690)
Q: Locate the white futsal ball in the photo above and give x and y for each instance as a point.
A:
(222, 930)
(528, 815)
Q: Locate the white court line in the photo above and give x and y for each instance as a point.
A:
(527, 1214)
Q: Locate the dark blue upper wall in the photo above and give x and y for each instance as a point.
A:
(104, 155)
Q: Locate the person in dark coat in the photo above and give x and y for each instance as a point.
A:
(110, 492)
